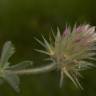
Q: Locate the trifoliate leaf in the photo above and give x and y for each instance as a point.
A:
(22, 65)
(7, 51)
(13, 80)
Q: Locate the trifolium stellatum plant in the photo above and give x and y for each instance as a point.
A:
(69, 52)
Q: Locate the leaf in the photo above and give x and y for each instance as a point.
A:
(13, 80)
(6, 65)
(21, 65)
(7, 51)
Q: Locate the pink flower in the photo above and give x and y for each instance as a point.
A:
(70, 50)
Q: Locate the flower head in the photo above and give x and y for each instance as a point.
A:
(71, 49)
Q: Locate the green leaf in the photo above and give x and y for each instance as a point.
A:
(6, 65)
(22, 65)
(7, 51)
(13, 80)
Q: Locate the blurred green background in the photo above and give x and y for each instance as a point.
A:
(22, 20)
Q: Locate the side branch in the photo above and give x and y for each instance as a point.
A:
(46, 68)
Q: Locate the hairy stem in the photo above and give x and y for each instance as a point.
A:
(46, 68)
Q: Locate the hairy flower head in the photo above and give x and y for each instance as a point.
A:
(70, 50)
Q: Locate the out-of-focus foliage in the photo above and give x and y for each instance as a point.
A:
(21, 20)
(5, 68)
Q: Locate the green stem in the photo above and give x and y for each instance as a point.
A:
(46, 68)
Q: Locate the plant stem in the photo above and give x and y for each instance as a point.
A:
(46, 68)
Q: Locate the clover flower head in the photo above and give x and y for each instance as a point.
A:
(71, 49)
